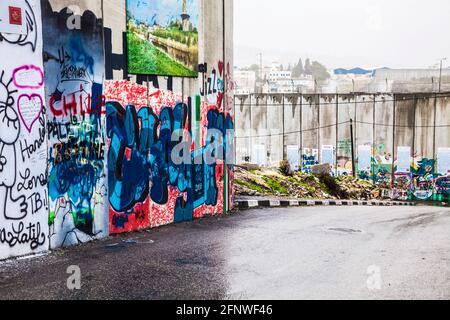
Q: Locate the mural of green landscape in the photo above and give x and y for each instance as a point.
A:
(162, 37)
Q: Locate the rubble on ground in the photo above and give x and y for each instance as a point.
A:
(283, 183)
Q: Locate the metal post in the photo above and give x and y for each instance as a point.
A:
(353, 149)
(434, 135)
(225, 100)
(235, 127)
(251, 132)
(414, 153)
(283, 129)
(393, 141)
(356, 120)
(319, 148)
(301, 132)
(337, 135)
(373, 137)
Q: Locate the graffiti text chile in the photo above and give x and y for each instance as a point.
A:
(76, 104)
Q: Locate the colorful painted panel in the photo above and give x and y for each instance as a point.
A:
(162, 37)
(129, 124)
(148, 133)
(74, 69)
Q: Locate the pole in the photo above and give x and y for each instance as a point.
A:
(226, 191)
(301, 133)
(353, 149)
(337, 136)
(440, 77)
(319, 147)
(235, 127)
(284, 130)
(434, 134)
(393, 140)
(374, 147)
(251, 132)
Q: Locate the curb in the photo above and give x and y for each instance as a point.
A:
(249, 204)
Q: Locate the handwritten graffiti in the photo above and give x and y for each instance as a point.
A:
(30, 108)
(77, 166)
(9, 135)
(213, 85)
(31, 235)
(28, 77)
(73, 60)
(23, 174)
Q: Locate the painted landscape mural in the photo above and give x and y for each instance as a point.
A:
(162, 37)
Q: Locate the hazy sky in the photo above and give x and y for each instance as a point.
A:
(162, 12)
(343, 33)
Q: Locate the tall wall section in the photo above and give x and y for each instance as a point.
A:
(85, 146)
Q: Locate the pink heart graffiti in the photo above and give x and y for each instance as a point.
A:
(30, 109)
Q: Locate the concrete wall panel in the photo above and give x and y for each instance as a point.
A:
(23, 141)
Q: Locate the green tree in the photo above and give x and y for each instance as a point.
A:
(298, 70)
(319, 71)
(254, 67)
(308, 67)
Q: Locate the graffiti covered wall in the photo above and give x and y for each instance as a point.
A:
(401, 142)
(86, 148)
(74, 73)
(23, 143)
(147, 188)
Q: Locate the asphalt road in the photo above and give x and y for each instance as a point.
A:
(298, 253)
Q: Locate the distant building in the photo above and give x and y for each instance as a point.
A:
(354, 71)
(279, 75)
(245, 81)
(289, 85)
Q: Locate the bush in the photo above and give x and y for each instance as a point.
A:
(285, 168)
(333, 187)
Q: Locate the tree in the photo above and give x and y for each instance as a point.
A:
(308, 67)
(319, 71)
(300, 66)
(298, 70)
(254, 67)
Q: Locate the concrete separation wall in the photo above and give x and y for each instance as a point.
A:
(400, 141)
(73, 166)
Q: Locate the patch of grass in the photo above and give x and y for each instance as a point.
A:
(250, 185)
(145, 58)
(275, 185)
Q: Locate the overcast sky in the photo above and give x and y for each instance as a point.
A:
(343, 33)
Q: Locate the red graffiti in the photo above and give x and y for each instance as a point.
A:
(76, 104)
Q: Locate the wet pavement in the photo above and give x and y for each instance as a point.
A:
(297, 253)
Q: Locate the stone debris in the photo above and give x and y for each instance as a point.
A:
(274, 182)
